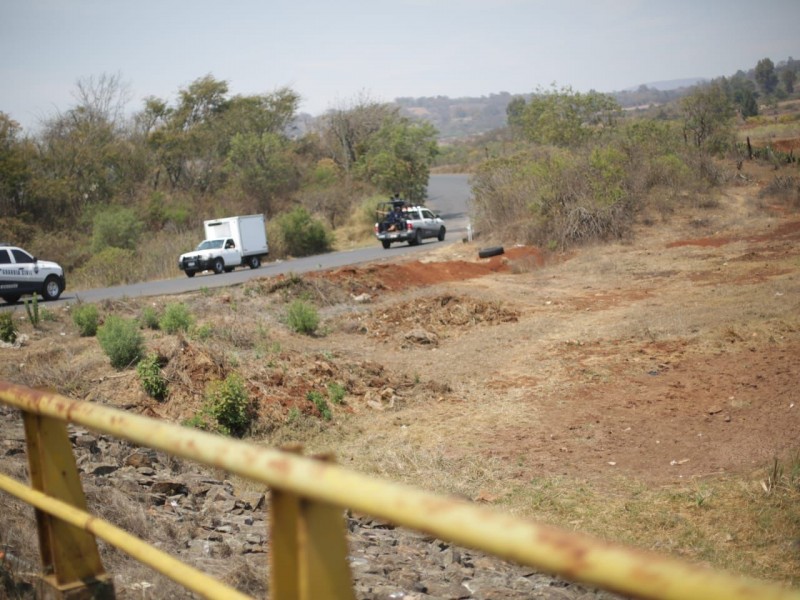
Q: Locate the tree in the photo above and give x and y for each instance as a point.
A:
(15, 173)
(398, 157)
(563, 117)
(83, 155)
(742, 92)
(788, 78)
(371, 142)
(514, 114)
(345, 131)
(194, 141)
(262, 167)
(766, 76)
(707, 114)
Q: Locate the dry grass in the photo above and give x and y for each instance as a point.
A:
(459, 411)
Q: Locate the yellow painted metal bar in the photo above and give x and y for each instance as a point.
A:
(284, 571)
(192, 579)
(70, 552)
(324, 572)
(575, 557)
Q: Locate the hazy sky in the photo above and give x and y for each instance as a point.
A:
(333, 51)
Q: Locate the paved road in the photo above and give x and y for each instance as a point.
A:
(448, 195)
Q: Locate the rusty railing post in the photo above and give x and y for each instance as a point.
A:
(70, 559)
(308, 550)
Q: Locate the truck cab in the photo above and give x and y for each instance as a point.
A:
(230, 242)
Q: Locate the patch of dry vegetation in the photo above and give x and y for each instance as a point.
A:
(545, 372)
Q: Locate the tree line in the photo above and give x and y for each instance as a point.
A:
(205, 154)
(574, 167)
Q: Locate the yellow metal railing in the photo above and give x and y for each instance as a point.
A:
(308, 543)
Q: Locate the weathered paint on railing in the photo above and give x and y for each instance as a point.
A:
(573, 556)
(189, 577)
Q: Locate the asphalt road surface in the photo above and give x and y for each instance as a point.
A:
(448, 195)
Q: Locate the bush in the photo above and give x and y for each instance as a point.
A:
(176, 318)
(86, 317)
(110, 266)
(121, 340)
(301, 234)
(151, 377)
(321, 404)
(8, 331)
(336, 392)
(227, 402)
(302, 317)
(148, 319)
(116, 228)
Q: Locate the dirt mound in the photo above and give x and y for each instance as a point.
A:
(443, 315)
(395, 277)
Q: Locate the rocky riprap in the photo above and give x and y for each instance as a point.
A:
(202, 519)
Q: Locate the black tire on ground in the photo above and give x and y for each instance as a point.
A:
(219, 266)
(417, 239)
(190, 274)
(440, 237)
(52, 288)
(491, 251)
(386, 244)
(254, 262)
(11, 298)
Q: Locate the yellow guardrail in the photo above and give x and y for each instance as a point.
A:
(308, 550)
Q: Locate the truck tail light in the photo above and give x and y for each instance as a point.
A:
(409, 226)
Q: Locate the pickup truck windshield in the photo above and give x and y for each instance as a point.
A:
(210, 244)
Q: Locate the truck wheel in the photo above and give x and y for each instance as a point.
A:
(440, 237)
(52, 288)
(11, 298)
(219, 266)
(386, 244)
(254, 262)
(492, 251)
(190, 274)
(417, 239)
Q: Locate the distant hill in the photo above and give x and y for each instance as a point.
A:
(672, 84)
(457, 118)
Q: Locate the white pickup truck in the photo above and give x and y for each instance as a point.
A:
(400, 222)
(230, 242)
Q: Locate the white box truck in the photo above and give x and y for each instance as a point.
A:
(229, 242)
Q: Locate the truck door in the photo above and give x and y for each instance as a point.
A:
(230, 253)
(429, 222)
(26, 269)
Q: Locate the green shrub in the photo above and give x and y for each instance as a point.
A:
(302, 234)
(148, 319)
(116, 228)
(151, 377)
(322, 405)
(203, 332)
(302, 317)
(121, 340)
(8, 331)
(198, 421)
(48, 315)
(336, 392)
(227, 402)
(176, 318)
(86, 317)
